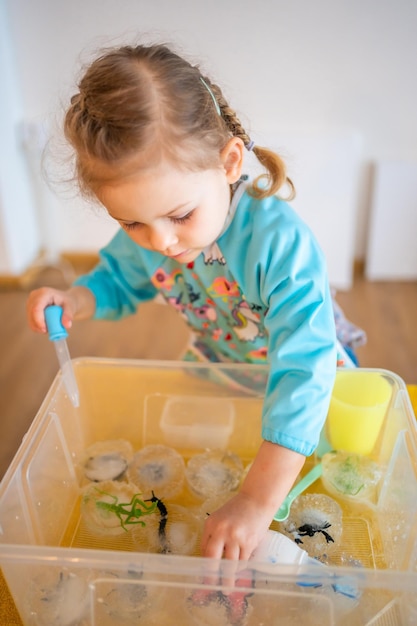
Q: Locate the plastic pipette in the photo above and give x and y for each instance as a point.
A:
(58, 334)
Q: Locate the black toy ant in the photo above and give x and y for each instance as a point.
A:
(163, 512)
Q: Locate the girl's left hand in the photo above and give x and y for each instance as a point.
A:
(235, 530)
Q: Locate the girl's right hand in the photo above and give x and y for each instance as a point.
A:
(41, 298)
(77, 303)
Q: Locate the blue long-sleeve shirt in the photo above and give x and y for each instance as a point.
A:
(259, 294)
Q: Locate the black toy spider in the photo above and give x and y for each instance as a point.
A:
(309, 530)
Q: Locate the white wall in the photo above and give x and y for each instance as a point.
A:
(19, 236)
(345, 66)
(392, 250)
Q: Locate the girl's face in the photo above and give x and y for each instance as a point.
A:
(175, 212)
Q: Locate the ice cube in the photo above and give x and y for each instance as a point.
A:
(214, 607)
(172, 530)
(351, 475)
(112, 508)
(213, 473)
(126, 602)
(315, 524)
(106, 460)
(157, 468)
(58, 598)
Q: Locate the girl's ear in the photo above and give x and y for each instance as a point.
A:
(232, 159)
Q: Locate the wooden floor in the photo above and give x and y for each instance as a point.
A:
(28, 364)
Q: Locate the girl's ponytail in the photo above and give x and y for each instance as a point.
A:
(275, 177)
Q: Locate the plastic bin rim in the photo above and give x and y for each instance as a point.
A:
(172, 364)
(394, 580)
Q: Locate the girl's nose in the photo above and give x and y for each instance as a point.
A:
(161, 237)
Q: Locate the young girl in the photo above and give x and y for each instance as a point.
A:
(159, 147)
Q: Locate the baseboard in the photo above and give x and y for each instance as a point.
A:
(75, 262)
(358, 268)
(10, 283)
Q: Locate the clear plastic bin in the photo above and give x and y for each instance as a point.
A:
(188, 422)
(60, 574)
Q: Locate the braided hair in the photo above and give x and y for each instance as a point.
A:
(137, 103)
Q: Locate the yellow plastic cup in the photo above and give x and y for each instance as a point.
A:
(357, 410)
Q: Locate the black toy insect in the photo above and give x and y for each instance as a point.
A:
(309, 530)
(163, 512)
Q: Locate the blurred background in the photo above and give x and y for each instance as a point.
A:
(330, 85)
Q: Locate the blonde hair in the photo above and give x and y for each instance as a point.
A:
(148, 101)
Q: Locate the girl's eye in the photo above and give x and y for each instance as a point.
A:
(130, 225)
(182, 219)
(176, 220)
